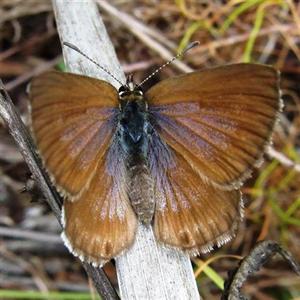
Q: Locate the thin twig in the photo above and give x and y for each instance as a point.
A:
(258, 256)
(131, 22)
(43, 237)
(24, 141)
(284, 160)
(147, 270)
(35, 72)
(140, 32)
(239, 38)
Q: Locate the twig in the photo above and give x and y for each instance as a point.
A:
(147, 270)
(20, 9)
(35, 273)
(258, 256)
(140, 31)
(131, 22)
(238, 38)
(284, 160)
(142, 65)
(36, 248)
(31, 42)
(43, 237)
(25, 282)
(21, 136)
(35, 72)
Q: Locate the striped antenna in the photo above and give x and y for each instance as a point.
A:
(93, 61)
(186, 49)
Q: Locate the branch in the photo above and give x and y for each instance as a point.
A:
(283, 159)
(24, 141)
(259, 255)
(152, 39)
(147, 270)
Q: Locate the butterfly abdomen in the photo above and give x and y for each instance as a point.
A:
(140, 187)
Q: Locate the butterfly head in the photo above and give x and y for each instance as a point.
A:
(130, 91)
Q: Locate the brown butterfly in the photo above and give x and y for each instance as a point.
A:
(174, 157)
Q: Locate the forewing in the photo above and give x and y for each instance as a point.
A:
(191, 214)
(72, 119)
(218, 120)
(101, 224)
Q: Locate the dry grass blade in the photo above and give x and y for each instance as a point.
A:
(142, 33)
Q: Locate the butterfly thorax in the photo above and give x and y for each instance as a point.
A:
(134, 131)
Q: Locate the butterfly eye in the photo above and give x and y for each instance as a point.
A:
(123, 90)
(139, 92)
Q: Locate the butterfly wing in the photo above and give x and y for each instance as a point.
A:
(210, 128)
(219, 120)
(191, 214)
(101, 224)
(72, 119)
(73, 122)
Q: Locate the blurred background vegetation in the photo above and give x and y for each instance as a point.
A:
(33, 260)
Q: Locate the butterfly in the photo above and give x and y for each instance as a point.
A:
(173, 157)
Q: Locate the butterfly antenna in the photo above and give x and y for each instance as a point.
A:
(93, 61)
(186, 49)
